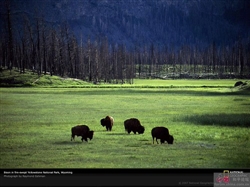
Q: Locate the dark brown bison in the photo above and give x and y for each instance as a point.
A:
(83, 131)
(238, 83)
(107, 122)
(162, 133)
(134, 125)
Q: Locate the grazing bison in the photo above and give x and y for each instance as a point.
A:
(83, 131)
(107, 122)
(238, 83)
(162, 133)
(134, 125)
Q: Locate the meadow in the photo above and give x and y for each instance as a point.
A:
(209, 120)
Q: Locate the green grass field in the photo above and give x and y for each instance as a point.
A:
(210, 126)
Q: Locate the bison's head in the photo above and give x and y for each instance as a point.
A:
(141, 130)
(103, 122)
(170, 139)
(90, 135)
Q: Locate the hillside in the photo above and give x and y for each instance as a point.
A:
(31, 79)
(140, 22)
(119, 40)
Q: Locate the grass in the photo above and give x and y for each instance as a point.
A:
(210, 126)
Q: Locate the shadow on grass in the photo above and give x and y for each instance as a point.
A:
(100, 130)
(68, 142)
(246, 104)
(230, 120)
(183, 91)
(118, 133)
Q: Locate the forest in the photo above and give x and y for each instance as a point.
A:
(56, 50)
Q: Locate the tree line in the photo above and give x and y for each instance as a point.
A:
(56, 50)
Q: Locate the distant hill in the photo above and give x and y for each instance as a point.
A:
(140, 22)
(31, 79)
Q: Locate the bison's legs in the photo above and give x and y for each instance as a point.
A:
(72, 137)
(129, 131)
(134, 132)
(156, 141)
(153, 139)
(162, 141)
(84, 139)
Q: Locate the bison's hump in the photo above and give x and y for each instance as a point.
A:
(159, 130)
(79, 128)
(238, 83)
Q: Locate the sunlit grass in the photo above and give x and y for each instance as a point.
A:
(32, 79)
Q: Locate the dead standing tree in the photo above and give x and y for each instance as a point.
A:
(10, 53)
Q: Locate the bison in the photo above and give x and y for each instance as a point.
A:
(83, 131)
(107, 122)
(134, 125)
(162, 133)
(238, 83)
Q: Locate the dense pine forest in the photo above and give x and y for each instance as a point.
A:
(34, 43)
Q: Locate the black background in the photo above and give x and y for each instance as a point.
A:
(116, 177)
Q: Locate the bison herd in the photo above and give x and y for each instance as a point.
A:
(130, 125)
